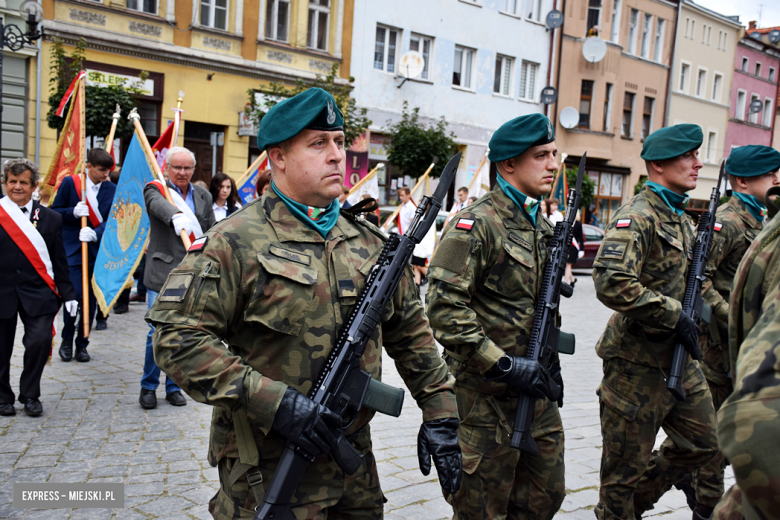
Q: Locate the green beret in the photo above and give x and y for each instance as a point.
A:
(671, 142)
(752, 160)
(312, 109)
(518, 135)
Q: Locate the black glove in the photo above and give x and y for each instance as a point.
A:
(555, 373)
(527, 375)
(688, 333)
(310, 426)
(440, 439)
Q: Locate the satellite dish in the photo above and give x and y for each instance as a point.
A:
(549, 95)
(569, 117)
(774, 36)
(554, 19)
(756, 106)
(412, 65)
(594, 49)
(755, 35)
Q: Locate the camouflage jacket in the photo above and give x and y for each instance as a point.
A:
(735, 230)
(640, 272)
(485, 276)
(749, 420)
(259, 308)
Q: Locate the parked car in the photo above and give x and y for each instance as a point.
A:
(593, 236)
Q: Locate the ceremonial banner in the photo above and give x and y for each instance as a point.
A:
(246, 190)
(127, 229)
(160, 148)
(370, 187)
(70, 150)
(560, 189)
(481, 184)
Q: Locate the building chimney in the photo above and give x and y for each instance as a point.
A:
(751, 25)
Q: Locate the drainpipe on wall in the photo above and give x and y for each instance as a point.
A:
(671, 65)
(558, 69)
(551, 61)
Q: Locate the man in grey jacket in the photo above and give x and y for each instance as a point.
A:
(191, 213)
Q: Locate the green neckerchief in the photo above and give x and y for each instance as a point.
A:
(320, 220)
(754, 205)
(528, 205)
(675, 201)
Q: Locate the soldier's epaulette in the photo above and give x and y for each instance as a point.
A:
(366, 224)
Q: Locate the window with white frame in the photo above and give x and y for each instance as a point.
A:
(317, 33)
(693, 29)
(145, 6)
(745, 64)
(646, 28)
(633, 21)
(758, 69)
(606, 122)
(594, 14)
(385, 48)
(712, 143)
(277, 20)
(528, 73)
(739, 110)
(502, 81)
(771, 76)
(687, 26)
(462, 67)
(615, 28)
(767, 113)
(753, 116)
(704, 33)
(535, 10)
(725, 37)
(627, 126)
(709, 34)
(720, 38)
(647, 116)
(214, 14)
(660, 26)
(701, 82)
(717, 83)
(510, 6)
(685, 70)
(423, 45)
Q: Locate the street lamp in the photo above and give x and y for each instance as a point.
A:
(11, 37)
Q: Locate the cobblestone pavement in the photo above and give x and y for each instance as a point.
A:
(93, 430)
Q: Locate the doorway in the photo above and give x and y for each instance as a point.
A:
(197, 139)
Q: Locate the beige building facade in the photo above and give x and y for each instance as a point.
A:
(621, 98)
(701, 82)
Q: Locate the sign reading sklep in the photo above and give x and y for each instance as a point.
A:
(67, 496)
(106, 79)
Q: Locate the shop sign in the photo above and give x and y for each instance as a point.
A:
(107, 79)
(245, 125)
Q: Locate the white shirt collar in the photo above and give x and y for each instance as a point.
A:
(28, 206)
(92, 186)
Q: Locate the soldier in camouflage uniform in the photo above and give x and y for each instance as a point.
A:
(749, 419)
(752, 171)
(247, 320)
(640, 273)
(484, 280)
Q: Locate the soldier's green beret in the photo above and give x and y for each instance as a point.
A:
(752, 160)
(312, 109)
(672, 141)
(518, 135)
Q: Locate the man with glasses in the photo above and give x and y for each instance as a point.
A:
(191, 213)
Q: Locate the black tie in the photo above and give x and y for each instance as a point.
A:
(24, 210)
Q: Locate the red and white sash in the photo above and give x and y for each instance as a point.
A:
(197, 231)
(95, 218)
(27, 238)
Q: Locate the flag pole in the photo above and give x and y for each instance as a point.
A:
(479, 168)
(390, 219)
(557, 175)
(252, 167)
(177, 119)
(110, 138)
(84, 245)
(136, 119)
(365, 179)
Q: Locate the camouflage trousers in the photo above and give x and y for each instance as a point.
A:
(634, 406)
(325, 492)
(500, 482)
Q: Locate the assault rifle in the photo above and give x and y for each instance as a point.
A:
(693, 303)
(342, 386)
(547, 339)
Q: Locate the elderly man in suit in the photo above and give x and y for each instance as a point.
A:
(191, 212)
(33, 282)
(100, 195)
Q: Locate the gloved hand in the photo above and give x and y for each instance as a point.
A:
(72, 307)
(181, 222)
(87, 234)
(555, 373)
(311, 426)
(440, 439)
(81, 210)
(527, 375)
(688, 333)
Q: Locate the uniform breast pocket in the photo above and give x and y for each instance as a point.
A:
(667, 256)
(283, 298)
(513, 271)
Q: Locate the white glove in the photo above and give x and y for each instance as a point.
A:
(181, 222)
(72, 307)
(81, 210)
(87, 234)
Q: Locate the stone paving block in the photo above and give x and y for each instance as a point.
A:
(415, 476)
(47, 514)
(400, 498)
(91, 514)
(76, 477)
(416, 512)
(185, 477)
(439, 507)
(165, 506)
(580, 499)
(147, 489)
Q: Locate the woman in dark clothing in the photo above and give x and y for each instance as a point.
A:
(225, 195)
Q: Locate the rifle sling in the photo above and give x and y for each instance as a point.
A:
(248, 456)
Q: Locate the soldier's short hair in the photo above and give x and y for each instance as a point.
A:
(18, 167)
(178, 149)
